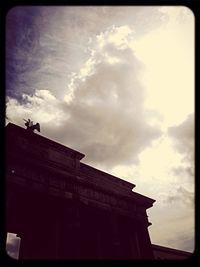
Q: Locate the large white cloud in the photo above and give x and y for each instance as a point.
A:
(105, 117)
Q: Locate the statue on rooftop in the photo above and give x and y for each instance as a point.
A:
(30, 126)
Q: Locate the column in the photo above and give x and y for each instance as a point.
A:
(144, 241)
(116, 252)
(69, 231)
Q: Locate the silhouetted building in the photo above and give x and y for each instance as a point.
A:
(165, 253)
(65, 209)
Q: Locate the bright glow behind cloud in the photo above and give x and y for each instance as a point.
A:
(168, 54)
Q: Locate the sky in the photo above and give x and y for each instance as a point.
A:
(117, 84)
(13, 245)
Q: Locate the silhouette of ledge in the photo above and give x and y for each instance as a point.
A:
(16, 130)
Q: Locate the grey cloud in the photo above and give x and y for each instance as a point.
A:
(183, 136)
(180, 171)
(183, 195)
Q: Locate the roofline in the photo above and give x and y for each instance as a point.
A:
(79, 155)
(131, 185)
(146, 201)
(171, 250)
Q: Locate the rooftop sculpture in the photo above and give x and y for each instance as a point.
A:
(30, 126)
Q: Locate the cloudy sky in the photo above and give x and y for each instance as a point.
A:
(117, 84)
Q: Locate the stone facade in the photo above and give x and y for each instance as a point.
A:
(65, 209)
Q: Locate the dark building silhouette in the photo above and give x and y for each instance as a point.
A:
(65, 209)
(165, 253)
